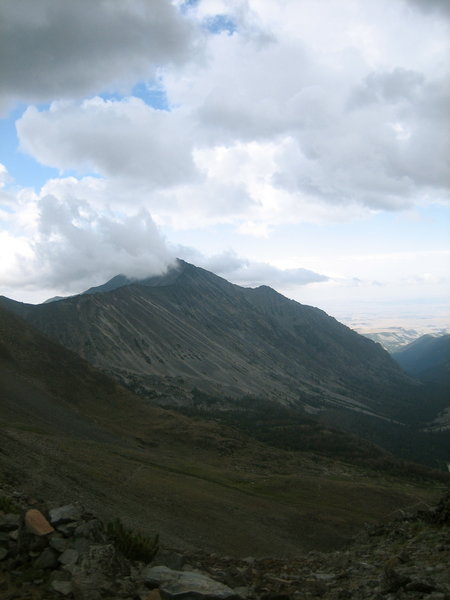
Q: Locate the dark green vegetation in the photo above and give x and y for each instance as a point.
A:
(290, 429)
(133, 545)
(165, 336)
(68, 432)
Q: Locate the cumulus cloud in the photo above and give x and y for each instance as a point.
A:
(120, 139)
(71, 246)
(277, 113)
(272, 128)
(54, 50)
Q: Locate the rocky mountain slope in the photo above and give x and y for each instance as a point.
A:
(52, 552)
(68, 432)
(191, 329)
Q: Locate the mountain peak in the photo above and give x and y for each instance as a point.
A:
(181, 272)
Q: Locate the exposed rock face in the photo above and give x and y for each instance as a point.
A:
(406, 559)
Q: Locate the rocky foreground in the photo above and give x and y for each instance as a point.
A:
(64, 552)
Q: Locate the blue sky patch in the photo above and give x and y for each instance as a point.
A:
(220, 23)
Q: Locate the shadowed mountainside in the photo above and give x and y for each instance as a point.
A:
(67, 429)
(427, 358)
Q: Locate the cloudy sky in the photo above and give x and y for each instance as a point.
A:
(301, 144)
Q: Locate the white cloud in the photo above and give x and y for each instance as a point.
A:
(300, 122)
(296, 112)
(121, 139)
(66, 243)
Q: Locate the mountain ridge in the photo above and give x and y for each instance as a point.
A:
(267, 326)
(190, 329)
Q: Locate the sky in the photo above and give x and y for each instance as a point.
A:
(301, 144)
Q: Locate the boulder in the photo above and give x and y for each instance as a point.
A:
(65, 514)
(186, 584)
(9, 522)
(36, 523)
(48, 559)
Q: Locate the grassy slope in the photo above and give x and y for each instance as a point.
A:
(68, 432)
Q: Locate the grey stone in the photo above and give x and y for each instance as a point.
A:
(65, 514)
(9, 522)
(69, 557)
(63, 587)
(423, 586)
(48, 559)
(92, 530)
(14, 535)
(186, 584)
(58, 542)
(82, 545)
(103, 558)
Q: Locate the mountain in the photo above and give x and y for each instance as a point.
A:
(190, 332)
(68, 432)
(220, 338)
(427, 358)
(394, 339)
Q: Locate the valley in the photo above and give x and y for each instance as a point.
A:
(68, 429)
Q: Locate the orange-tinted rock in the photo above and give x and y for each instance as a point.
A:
(36, 522)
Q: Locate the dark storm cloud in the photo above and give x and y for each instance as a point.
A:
(64, 49)
(430, 6)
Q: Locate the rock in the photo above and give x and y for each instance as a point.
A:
(104, 559)
(36, 523)
(65, 514)
(153, 595)
(14, 535)
(392, 581)
(4, 537)
(67, 529)
(81, 544)
(9, 522)
(422, 586)
(63, 587)
(3, 553)
(186, 584)
(48, 559)
(69, 557)
(58, 542)
(92, 530)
